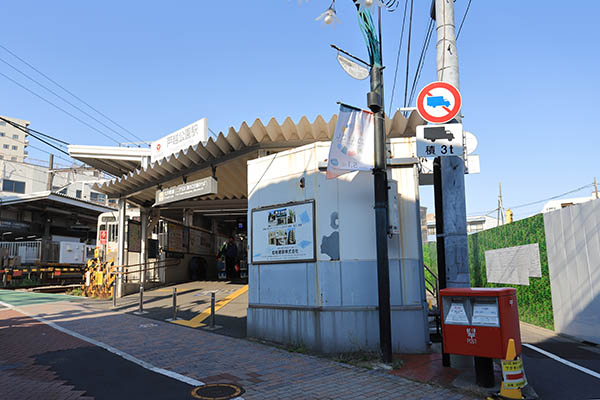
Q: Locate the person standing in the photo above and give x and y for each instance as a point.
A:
(230, 252)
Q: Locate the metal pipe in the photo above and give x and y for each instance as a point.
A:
(212, 310)
(174, 303)
(141, 310)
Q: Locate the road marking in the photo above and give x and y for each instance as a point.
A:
(129, 357)
(562, 360)
(197, 321)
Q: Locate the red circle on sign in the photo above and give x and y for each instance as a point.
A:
(158, 146)
(451, 113)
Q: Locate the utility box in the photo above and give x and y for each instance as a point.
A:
(480, 321)
(71, 253)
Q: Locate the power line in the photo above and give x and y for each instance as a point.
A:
(398, 56)
(540, 201)
(69, 92)
(408, 52)
(60, 108)
(421, 63)
(37, 148)
(34, 136)
(553, 197)
(463, 19)
(62, 142)
(62, 98)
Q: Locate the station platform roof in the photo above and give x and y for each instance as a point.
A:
(47, 200)
(229, 154)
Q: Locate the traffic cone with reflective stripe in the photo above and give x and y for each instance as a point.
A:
(512, 377)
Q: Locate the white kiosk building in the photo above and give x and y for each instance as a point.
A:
(311, 242)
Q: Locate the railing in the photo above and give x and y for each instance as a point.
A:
(33, 252)
(29, 252)
(431, 285)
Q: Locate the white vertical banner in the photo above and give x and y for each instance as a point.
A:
(352, 146)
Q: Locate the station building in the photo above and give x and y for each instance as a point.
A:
(309, 241)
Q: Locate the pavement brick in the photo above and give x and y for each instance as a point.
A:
(265, 372)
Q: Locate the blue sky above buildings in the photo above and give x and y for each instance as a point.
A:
(528, 76)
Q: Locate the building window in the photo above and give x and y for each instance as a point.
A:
(78, 194)
(2, 134)
(15, 136)
(1, 157)
(63, 191)
(13, 158)
(15, 148)
(2, 123)
(13, 186)
(98, 197)
(431, 230)
(5, 146)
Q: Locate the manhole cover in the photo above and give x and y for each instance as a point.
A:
(217, 391)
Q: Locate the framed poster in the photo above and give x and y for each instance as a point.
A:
(284, 233)
(134, 236)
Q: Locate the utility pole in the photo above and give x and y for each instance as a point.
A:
(596, 188)
(50, 172)
(500, 206)
(449, 172)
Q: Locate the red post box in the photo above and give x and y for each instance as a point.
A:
(479, 321)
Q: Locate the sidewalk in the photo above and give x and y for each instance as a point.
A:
(264, 372)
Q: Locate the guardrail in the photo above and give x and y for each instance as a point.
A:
(432, 287)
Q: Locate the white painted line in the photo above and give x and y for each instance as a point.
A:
(129, 357)
(562, 360)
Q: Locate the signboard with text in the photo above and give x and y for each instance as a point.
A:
(439, 140)
(181, 139)
(284, 233)
(185, 191)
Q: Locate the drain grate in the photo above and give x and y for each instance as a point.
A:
(217, 391)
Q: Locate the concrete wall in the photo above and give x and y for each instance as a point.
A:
(331, 305)
(573, 240)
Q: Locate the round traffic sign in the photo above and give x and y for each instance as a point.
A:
(439, 102)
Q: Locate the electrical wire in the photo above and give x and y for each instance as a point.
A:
(69, 92)
(538, 201)
(62, 98)
(408, 52)
(62, 143)
(398, 56)
(34, 136)
(463, 19)
(25, 144)
(58, 107)
(421, 63)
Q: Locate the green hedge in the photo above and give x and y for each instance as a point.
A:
(535, 300)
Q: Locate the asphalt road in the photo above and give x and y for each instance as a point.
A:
(38, 361)
(552, 379)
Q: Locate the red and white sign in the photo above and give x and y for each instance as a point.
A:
(103, 237)
(439, 102)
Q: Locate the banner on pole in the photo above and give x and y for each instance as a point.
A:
(352, 146)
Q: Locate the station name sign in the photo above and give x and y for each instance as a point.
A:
(181, 139)
(186, 191)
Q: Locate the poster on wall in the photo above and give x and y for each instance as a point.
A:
(175, 238)
(284, 233)
(200, 242)
(134, 237)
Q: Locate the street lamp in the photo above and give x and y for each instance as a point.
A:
(375, 103)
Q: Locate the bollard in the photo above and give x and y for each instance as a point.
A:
(174, 303)
(114, 294)
(141, 311)
(212, 310)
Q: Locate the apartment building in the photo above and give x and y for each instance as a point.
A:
(13, 141)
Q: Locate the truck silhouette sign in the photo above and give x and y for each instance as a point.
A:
(437, 132)
(437, 101)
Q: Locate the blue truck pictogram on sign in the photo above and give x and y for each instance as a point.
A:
(437, 101)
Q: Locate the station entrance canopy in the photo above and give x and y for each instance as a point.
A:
(225, 158)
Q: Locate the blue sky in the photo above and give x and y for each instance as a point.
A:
(528, 76)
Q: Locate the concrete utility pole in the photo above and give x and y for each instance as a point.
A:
(452, 168)
(50, 172)
(500, 206)
(596, 188)
(449, 172)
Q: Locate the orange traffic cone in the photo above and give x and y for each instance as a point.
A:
(513, 376)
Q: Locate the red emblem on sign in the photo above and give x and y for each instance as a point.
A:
(158, 146)
(103, 237)
(439, 102)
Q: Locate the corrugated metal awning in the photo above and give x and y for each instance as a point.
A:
(230, 153)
